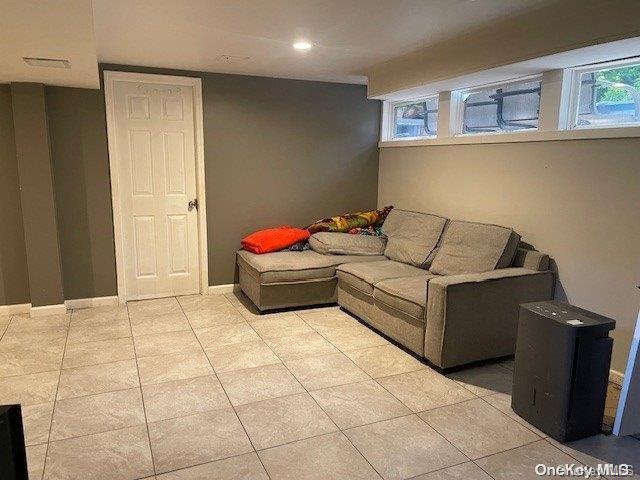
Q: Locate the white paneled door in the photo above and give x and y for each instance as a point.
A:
(156, 169)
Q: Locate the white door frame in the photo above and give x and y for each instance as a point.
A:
(110, 77)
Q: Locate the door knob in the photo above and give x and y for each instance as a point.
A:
(193, 204)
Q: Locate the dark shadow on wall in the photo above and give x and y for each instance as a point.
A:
(80, 160)
(14, 280)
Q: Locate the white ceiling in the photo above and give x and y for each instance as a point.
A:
(349, 35)
(51, 29)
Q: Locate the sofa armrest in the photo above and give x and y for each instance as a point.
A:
(531, 259)
(474, 317)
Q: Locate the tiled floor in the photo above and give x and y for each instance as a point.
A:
(205, 388)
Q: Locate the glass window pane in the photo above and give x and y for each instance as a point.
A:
(609, 97)
(502, 108)
(419, 119)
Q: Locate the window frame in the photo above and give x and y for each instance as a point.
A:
(459, 97)
(573, 103)
(390, 118)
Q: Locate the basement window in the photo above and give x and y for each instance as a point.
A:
(507, 107)
(605, 97)
(415, 119)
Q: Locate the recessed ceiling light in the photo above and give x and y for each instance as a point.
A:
(47, 62)
(302, 45)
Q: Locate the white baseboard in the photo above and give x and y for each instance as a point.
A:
(48, 310)
(91, 302)
(228, 288)
(15, 309)
(616, 377)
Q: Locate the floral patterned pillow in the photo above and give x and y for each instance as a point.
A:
(345, 223)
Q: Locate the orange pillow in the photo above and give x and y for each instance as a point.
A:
(274, 239)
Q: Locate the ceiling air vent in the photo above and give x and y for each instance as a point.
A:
(47, 62)
(227, 58)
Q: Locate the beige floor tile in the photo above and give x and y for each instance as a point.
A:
(359, 403)
(35, 461)
(280, 326)
(502, 401)
(21, 354)
(300, 345)
(329, 457)
(403, 447)
(521, 462)
(5, 320)
(183, 397)
(425, 389)
(242, 467)
(193, 303)
(167, 343)
(238, 356)
(36, 421)
(246, 307)
(464, 471)
(177, 366)
(29, 389)
(384, 360)
(229, 334)
(187, 441)
(48, 323)
(507, 363)
(328, 318)
(120, 454)
(260, 383)
(478, 429)
(325, 371)
(96, 330)
(97, 314)
(603, 449)
(93, 379)
(168, 322)
(94, 353)
(220, 315)
(153, 307)
(74, 417)
(354, 337)
(282, 420)
(485, 379)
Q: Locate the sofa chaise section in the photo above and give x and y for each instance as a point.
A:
(290, 279)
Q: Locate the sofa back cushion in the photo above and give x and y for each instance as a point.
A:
(412, 237)
(333, 243)
(468, 247)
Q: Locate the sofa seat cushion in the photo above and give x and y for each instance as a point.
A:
(469, 247)
(362, 276)
(407, 294)
(412, 236)
(333, 243)
(287, 266)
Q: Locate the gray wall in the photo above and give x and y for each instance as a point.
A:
(37, 197)
(283, 152)
(14, 282)
(80, 161)
(577, 200)
(276, 152)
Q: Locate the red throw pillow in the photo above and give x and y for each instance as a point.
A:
(274, 239)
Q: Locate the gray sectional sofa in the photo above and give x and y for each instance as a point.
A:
(447, 290)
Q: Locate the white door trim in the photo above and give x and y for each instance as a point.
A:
(109, 78)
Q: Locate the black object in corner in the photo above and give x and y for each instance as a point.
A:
(13, 455)
(561, 369)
